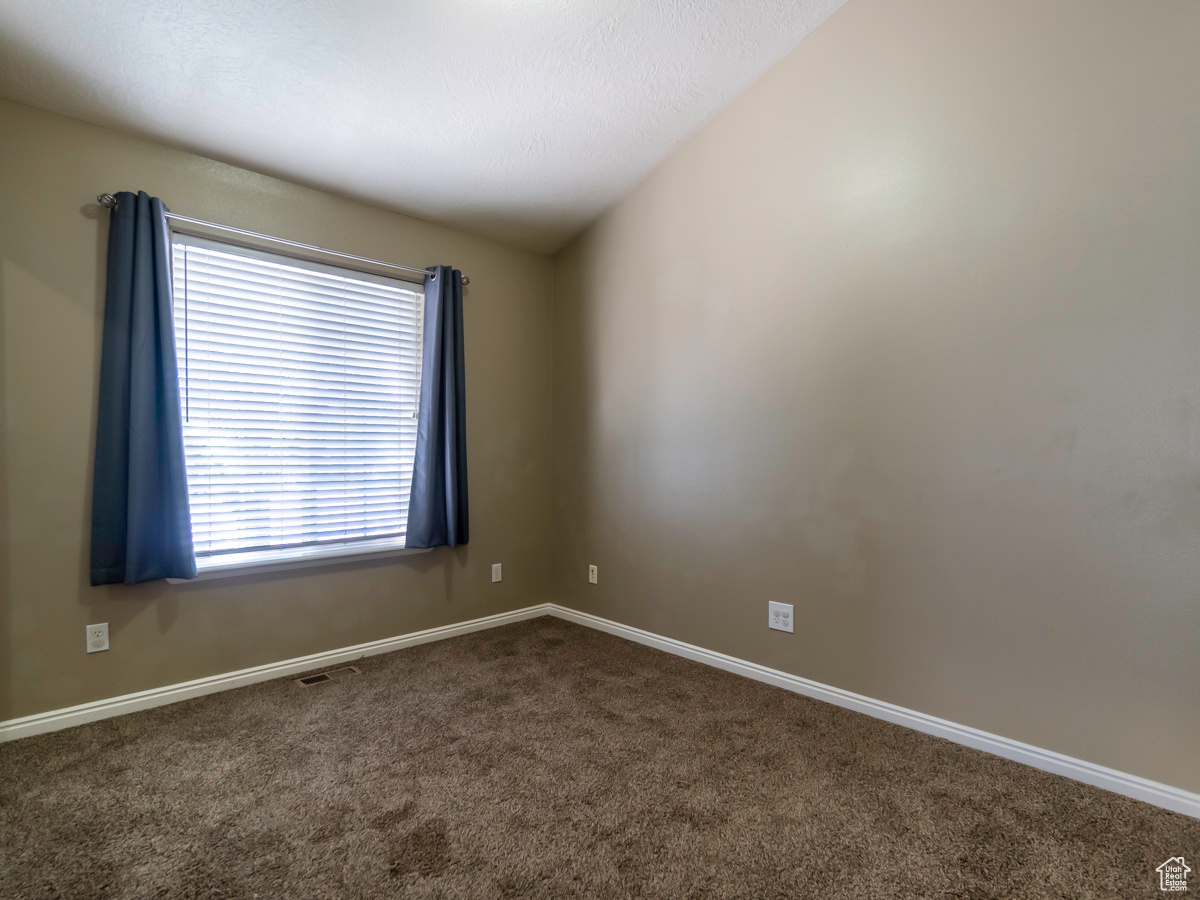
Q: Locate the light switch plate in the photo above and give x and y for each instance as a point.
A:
(593, 575)
(495, 572)
(782, 617)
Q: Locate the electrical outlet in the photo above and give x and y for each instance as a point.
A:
(593, 575)
(495, 572)
(97, 637)
(782, 617)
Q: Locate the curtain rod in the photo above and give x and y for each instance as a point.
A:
(109, 201)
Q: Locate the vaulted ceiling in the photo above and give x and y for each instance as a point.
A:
(518, 119)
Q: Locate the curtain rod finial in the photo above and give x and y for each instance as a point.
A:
(466, 280)
(107, 200)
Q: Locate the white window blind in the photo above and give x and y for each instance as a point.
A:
(299, 387)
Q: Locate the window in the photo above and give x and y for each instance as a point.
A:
(299, 386)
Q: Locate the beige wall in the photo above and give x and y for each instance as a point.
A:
(909, 336)
(52, 239)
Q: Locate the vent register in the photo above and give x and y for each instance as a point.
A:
(322, 677)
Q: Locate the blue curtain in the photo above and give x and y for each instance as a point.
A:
(437, 505)
(141, 529)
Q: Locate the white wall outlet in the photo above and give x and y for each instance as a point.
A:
(97, 637)
(593, 575)
(495, 571)
(782, 617)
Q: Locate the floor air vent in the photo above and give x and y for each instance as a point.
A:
(322, 677)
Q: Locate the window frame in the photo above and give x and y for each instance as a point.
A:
(270, 560)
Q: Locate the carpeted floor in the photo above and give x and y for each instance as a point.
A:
(544, 759)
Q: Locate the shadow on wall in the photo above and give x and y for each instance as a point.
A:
(574, 368)
(7, 665)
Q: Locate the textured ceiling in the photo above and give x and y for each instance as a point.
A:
(519, 119)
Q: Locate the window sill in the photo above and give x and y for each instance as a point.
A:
(258, 561)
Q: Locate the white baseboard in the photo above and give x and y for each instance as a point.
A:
(58, 719)
(1100, 776)
(1047, 760)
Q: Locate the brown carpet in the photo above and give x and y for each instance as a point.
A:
(544, 759)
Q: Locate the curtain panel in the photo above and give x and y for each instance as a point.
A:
(141, 528)
(437, 507)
